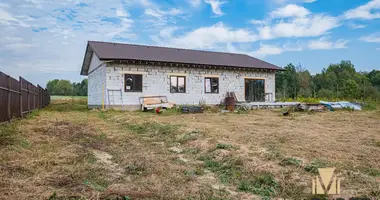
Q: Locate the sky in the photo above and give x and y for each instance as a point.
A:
(42, 40)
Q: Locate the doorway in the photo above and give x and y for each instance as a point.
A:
(254, 90)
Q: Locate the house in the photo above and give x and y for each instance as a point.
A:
(119, 74)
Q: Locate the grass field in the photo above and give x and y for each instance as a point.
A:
(68, 97)
(68, 152)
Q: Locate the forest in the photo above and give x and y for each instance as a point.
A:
(66, 88)
(337, 81)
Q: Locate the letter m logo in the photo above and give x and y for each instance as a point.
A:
(327, 183)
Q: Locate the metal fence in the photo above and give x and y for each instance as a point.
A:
(19, 97)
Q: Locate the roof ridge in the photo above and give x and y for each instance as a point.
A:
(140, 45)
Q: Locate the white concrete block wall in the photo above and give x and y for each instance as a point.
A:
(156, 81)
(96, 82)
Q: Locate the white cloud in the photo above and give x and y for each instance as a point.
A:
(312, 25)
(309, 1)
(290, 10)
(7, 18)
(356, 26)
(258, 22)
(33, 41)
(292, 1)
(4, 5)
(216, 6)
(168, 31)
(373, 38)
(155, 12)
(156, 17)
(207, 37)
(195, 3)
(265, 50)
(120, 12)
(294, 21)
(366, 11)
(324, 44)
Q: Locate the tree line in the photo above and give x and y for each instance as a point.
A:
(66, 88)
(338, 81)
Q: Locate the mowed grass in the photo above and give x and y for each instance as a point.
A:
(66, 151)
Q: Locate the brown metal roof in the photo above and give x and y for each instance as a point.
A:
(117, 51)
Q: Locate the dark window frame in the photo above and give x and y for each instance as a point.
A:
(184, 80)
(133, 83)
(211, 85)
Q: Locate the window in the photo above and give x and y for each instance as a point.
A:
(133, 83)
(212, 85)
(255, 90)
(177, 84)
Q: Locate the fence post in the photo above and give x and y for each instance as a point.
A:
(9, 98)
(28, 97)
(20, 90)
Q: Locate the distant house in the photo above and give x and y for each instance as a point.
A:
(119, 74)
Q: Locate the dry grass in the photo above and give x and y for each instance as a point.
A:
(68, 152)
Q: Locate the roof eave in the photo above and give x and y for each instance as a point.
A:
(275, 68)
(86, 60)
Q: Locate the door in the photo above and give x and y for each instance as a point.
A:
(254, 90)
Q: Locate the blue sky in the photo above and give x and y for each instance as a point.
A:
(43, 39)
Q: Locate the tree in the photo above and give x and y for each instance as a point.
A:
(374, 78)
(325, 93)
(50, 86)
(84, 85)
(339, 80)
(350, 89)
(63, 87)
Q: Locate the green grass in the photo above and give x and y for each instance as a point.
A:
(67, 107)
(264, 185)
(290, 161)
(189, 136)
(54, 97)
(313, 166)
(229, 170)
(224, 146)
(373, 172)
(152, 128)
(9, 135)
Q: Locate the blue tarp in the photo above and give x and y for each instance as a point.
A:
(341, 105)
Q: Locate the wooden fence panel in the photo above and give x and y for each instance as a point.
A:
(14, 98)
(3, 97)
(25, 96)
(19, 97)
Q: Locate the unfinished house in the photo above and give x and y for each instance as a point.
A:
(120, 75)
